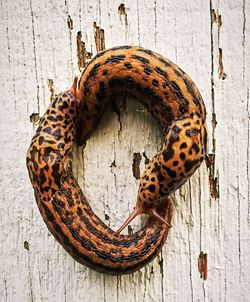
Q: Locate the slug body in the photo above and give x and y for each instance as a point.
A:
(173, 99)
(170, 95)
(64, 207)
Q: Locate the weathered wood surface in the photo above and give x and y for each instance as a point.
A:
(210, 41)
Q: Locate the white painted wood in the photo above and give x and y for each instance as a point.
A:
(37, 45)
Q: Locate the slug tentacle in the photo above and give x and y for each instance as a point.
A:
(131, 217)
(152, 212)
(172, 98)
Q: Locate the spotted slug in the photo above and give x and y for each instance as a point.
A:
(172, 98)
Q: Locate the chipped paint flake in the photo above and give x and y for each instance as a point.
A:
(213, 180)
(51, 89)
(26, 245)
(70, 23)
(202, 265)
(136, 165)
(222, 74)
(34, 118)
(83, 55)
(99, 38)
(123, 13)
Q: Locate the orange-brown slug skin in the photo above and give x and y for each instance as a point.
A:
(172, 98)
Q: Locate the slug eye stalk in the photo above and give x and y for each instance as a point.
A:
(142, 210)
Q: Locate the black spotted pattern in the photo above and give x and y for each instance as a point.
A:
(157, 83)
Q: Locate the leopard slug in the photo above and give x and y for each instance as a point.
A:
(173, 99)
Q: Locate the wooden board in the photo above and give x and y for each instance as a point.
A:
(43, 45)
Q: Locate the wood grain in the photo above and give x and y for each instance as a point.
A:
(207, 39)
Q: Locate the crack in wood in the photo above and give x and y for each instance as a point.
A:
(190, 261)
(113, 164)
(239, 229)
(138, 22)
(155, 16)
(35, 56)
(160, 262)
(244, 38)
(248, 155)
(161, 265)
(6, 289)
(247, 106)
(70, 27)
(213, 180)
(210, 158)
(116, 110)
(7, 36)
(216, 18)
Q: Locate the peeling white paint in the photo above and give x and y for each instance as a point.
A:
(37, 45)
